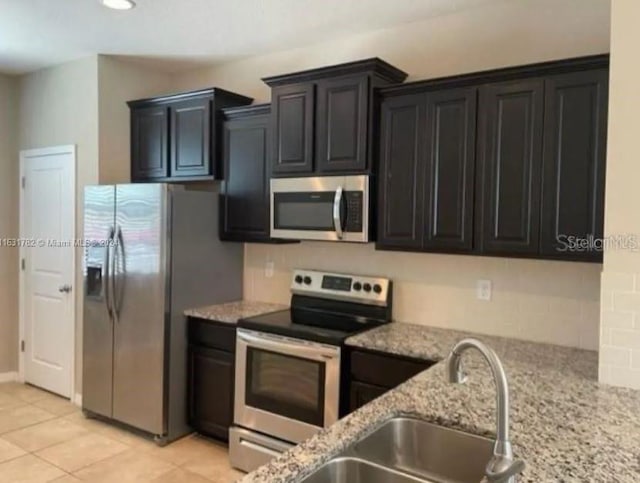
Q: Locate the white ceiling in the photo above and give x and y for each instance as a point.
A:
(176, 34)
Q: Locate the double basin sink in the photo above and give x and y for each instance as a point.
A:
(408, 450)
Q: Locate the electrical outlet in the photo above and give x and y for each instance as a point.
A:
(483, 290)
(268, 269)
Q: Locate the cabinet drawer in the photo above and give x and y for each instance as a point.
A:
(216, 335)
(384, 370)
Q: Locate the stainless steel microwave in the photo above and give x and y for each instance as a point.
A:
(330, 208)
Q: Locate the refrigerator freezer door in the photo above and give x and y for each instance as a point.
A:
(141, 305)
(97, 376)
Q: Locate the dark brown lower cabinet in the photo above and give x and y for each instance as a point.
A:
(211, 401)
(211, 377)
(373, 373)
(361, 393)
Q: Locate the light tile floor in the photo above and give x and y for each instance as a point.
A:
(46, 438)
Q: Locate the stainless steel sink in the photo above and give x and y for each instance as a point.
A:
(407, 450)
(427, 450)
(355, 470)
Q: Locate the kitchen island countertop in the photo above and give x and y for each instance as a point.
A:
(564, 425)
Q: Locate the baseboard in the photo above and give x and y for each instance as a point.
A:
(8, 376)
(77, 399)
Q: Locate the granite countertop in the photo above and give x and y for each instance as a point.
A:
(564, 425)
(231, 312)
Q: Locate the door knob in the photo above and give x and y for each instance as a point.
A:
(64, 288)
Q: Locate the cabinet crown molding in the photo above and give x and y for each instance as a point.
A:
(373, 65)
(208, 92)
(561, 66)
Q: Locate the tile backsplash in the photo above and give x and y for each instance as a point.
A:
(620, 329)
(545, 301)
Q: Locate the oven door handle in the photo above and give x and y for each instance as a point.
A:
(312, 351)
(337, 212)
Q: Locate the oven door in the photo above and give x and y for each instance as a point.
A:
(285, 387)
(333, 208)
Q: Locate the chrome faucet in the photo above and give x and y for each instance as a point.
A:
(501, 468)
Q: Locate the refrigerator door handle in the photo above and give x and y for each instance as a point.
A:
(118, 280)
(107, 273)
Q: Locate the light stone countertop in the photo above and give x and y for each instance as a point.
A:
(564, 425)
(231, 312)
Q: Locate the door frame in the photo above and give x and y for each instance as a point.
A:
(25, 155)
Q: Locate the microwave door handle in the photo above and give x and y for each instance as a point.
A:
(337, 213)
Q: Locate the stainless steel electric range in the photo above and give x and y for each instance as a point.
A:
(288, 363)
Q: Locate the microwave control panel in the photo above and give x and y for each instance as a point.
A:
(353, 201)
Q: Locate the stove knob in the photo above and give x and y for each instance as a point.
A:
(377, 288)
(367, 287)
(307, 280)
(357, 286)
(298, 279)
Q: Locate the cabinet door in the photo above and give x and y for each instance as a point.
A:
(341, 133)
(246, 191)
(191, 138)
(149, 143)
(292, 118)
(211, 374)
(361, 394)
(510, 156)
(449, 170)
(400, 207)
(575, 135)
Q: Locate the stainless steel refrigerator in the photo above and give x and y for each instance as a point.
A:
(151, 251)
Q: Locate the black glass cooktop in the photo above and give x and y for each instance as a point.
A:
(313, 325)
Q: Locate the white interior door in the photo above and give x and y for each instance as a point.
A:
(47, 250)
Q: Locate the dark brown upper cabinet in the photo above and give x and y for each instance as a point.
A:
(244, 196)
(322, 119)
(505, 163)
(449, 169)
(342, 131)
(176, 137)
(510, 165)
(245, 189)
(191, 137)
(427, 171)
(401, 207)
(150, 142)
(292, 126)
(575, 134)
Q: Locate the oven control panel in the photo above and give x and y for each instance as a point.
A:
(351, 288)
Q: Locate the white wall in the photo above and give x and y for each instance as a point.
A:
(84, 103)
(494, 35)
(118, 82)
(59, 105)
(539, 300)
(8, 224)
(620, 319)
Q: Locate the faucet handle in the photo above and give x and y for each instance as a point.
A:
(504, 471)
